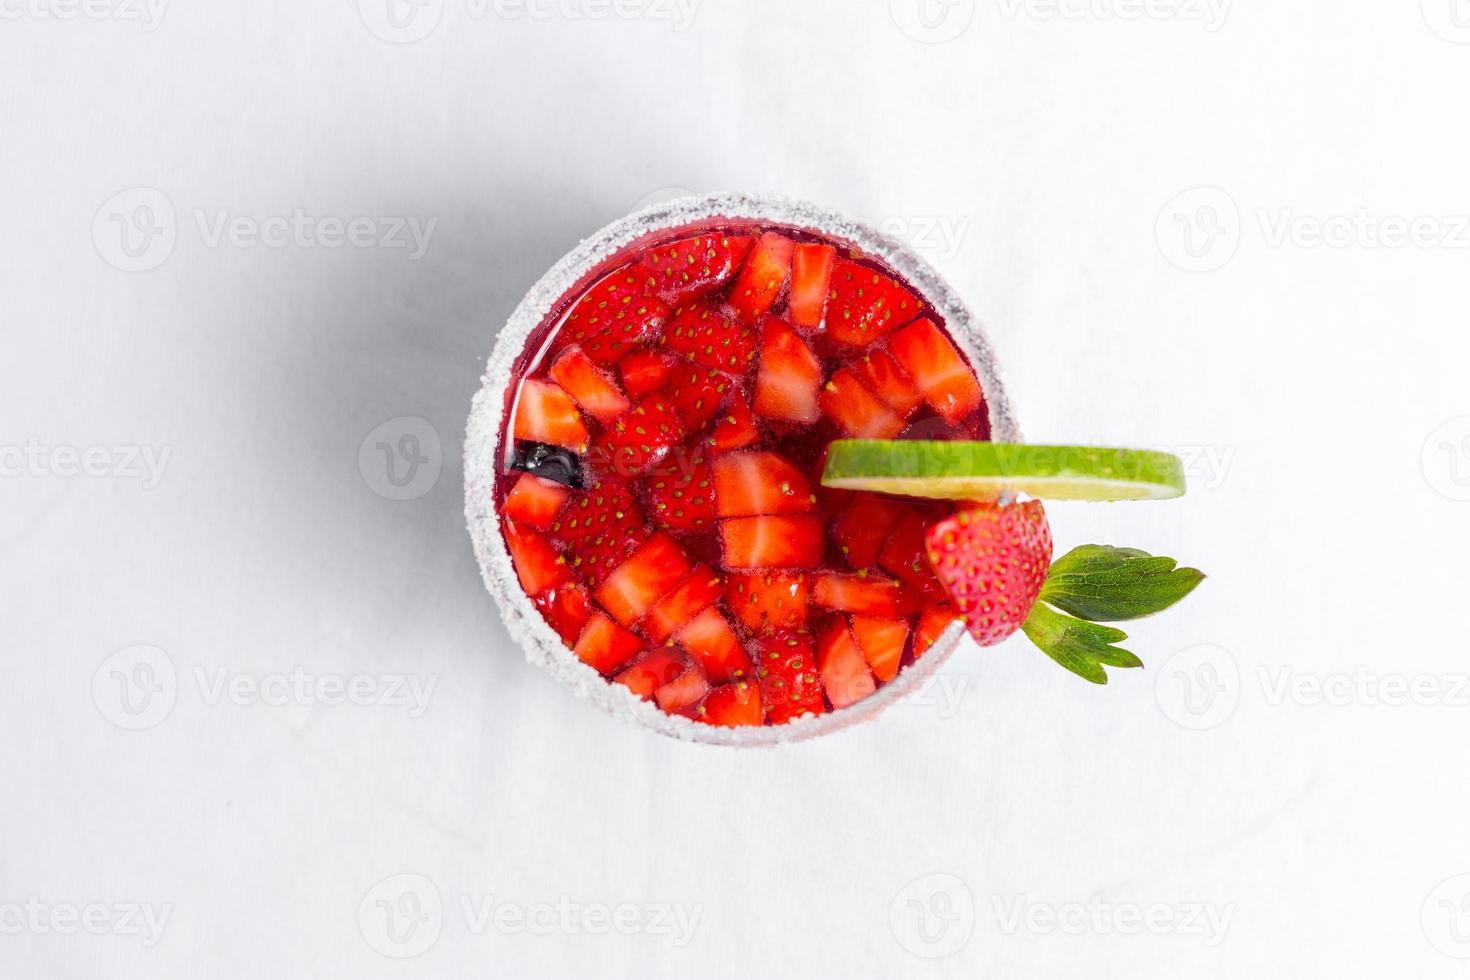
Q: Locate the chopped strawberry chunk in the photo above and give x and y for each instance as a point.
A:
(772, 542)
(682, 498)
(538, 566)
(881, 641)
(697, 394)
(904, 555)
(882, 375)
(860, 412)
(702, 334)
(760, 283)
(710, 641)
(689, 599)
(694, 266)
(811, 277)
(645, 371)
(566, 608)
(789, 683)
(789, 375)
(844, 672)
(588, 385)
(751, 484)
(938, 369)
(613, 316)
(649, 573)
(682, 691)
(736, 428)
(599, 528)
(535, 502)
(731, 706)
(604, 645)
(860, 594)
(932, 624)
(652, 671)
(766, 601)
(866, 305)
(863, 528)
(640, 437)
(545, 413)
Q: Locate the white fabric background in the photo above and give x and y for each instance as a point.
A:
(1316, 390)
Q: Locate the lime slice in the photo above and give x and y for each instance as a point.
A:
(989, 470)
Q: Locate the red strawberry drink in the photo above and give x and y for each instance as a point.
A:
(656, 471)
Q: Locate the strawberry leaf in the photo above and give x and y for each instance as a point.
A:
(1083, 648)
(1103, 584)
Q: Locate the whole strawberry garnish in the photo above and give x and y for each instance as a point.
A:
(992, 560)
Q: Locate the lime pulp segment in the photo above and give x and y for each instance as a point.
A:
(988, 470)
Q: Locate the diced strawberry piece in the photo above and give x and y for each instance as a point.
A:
(751, 484)
(772, 542)
(694, 266)
(938, 369)
(860, 594)
(566, 608)
(736, 428)
(993, 562)
(697, 393)
(538, 566)
(844, 672)
(766, 601)
(535, 502)
(811, 277)
(904, 556)
(613, 316)
(881, 641)
(645, 371)
(932, 623)
(882, 375)
(679, 607)
(789, 375)
(640, 437)
(589, 387)
(714, 646)
(866, 305)
(682, 498)
(790, 686)
(703, 334)
(730, 706)
(682, 691)
(652, 671)
(863, 528)
(598, 528)
(649, 573)
(760, 283)
(860, 412)
(605, 646)
(545, 413)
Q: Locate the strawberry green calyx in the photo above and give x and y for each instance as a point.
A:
(1099, 583)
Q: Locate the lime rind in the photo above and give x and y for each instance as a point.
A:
(990, 470)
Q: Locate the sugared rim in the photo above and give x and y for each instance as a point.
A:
(482, 449)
